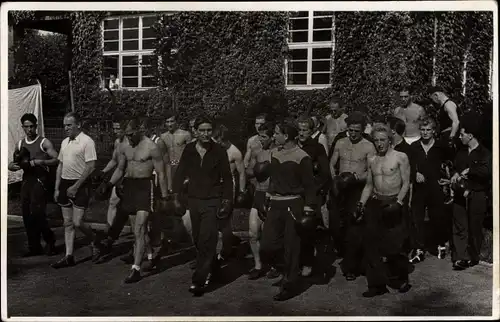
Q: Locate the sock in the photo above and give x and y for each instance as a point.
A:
(137, 268)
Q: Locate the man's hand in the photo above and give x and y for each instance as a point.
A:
(225, 209)
(71, 192)
(14, 167)
(56, 195)
(308, 209)
(455, 178)
(103, 191)
(465, 172)
(420, 177)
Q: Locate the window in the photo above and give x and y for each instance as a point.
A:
(310, 42)
(128, 44)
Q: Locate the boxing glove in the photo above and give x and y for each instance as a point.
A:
(225, 209)
(359, 212)
(175, 206)
(392, 214)
(103, 192)
(22, 158)
(460, 187)
(307, 224)
(262, 171)
(98, 177)
(162, 206)
(262, 212)
(119, 191)
(347, 179)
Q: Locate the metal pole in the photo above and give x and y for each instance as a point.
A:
(71, 92)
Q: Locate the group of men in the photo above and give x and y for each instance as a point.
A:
(317, 192)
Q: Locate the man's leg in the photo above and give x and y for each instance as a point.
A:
(417, 231)
(438, 220)
(139, 246)
(460, 232)
(353, 240)
(292, 243)
(226, 229)
(34, 246)
(113, 204)
(254, 232)
(69, 238)
(38, 211)
(271, 242)
(477, 212)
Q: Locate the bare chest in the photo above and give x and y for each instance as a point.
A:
(138, 154)
(352, 153)
(385, 167)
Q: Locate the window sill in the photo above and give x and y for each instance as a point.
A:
(307, 87)
(129, 89)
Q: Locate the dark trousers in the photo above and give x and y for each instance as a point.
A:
(468, 217)
(33, 204)
(348, 235)
(205, 235)
(280, 241)
(430, 196)
(308, 245)
(385, 261)
(225, 226)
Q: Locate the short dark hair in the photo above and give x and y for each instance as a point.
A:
(405, 88)
(304, 119)
(379, 118)
(267, 128)
(471, 123)
(397, 125)
(170, 114)
(29, 117)
(289, 129)
(75, 116)
(338, 100)
(262, 116)
(433, 89)
(201, 119)
(356, 117)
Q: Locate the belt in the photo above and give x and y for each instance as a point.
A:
(174, 162)
(384, 197)
(281, 197)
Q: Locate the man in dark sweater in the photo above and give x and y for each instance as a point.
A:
(292, 195)
(427, 155)
(322, 179)
(471, 183)
(398, 127)
(205, 165)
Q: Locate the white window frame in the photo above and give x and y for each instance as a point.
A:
(121, 53)
(310, 45)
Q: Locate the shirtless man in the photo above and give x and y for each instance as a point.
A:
(335, 122)
(237, 171)
(255, 222)
(253, 142)
(387, 184)
(352, 152)
(411, 114)
(136, 166)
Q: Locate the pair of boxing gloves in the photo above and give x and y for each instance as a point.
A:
(22, 157)
(391, 213)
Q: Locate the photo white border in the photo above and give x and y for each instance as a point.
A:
(485, 5)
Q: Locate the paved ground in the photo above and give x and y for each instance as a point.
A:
(35, 289)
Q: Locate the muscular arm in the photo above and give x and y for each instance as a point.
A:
(114, 160)
(240, 167)
(370, 154)
(51, 152)
(120, 169)
(58, 176)
(404, 169)
(163, 150)
(451, 109)
(159, 166)
(248, 154)
(368, 189)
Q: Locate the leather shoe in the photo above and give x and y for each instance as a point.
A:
(66, 261)
(197, 290)
(133, 277)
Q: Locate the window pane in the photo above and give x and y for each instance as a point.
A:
(299, 13)
(298, 36)
(322, 35)
(111, 24)
(111, 46)
(146, 60)
(130, 71)
(323, 13)
(321, 66)
(321, 53)
(130, 82)
(321, 23)
(131, 23)
(148, 44)
(299, 24)
(148, 82)
(111, 35)
(297, 79)
(148, 21)
(321, 78)
(298, 54)
(111, 64)
(130, 60)
(148, 33)
(300, 67)
(131, 45)
(131, 34)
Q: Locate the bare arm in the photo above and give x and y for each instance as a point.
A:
(58, 176)
(371, 153)
(160, 170)
(368, 189)
(248, 154)
(12, 165)
(114, 160)
(451, 109)
(404, 168)
(322, 140)
(120, 169)
(163, 150)
(51, 152)
(240, 167)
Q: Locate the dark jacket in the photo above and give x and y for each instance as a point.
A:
(209, 178)
(429, 165)
(319, 158)
(479, 164)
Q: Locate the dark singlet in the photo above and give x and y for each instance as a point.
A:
(36, 152)
(444, 119)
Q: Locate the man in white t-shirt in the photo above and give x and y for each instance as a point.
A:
(114, 83)
(72, 189)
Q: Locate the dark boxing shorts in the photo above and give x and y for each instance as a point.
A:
(259, 199)
(81, 199)
(136, 195)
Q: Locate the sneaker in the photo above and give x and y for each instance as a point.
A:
(133, 277)
(273, 273)
(460, 265)
(418, 257)
(306, 271)
(66, 261)
(441, 252)
(255, 274)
